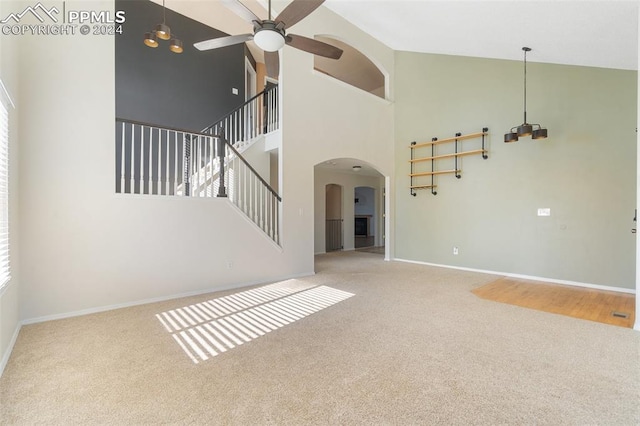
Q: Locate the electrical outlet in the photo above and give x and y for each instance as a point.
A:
(229, 264)
(544, 212)
(234, 90)
(455, 251)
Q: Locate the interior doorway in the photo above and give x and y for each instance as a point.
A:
(249, 80)
(333, 217)
(335, 209)
(365, 218)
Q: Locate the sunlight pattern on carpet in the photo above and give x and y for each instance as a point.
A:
(204, 330)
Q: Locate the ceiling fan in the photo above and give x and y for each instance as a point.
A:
(270, 35)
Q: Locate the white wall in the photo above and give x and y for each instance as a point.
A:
(259, 159)
(9, 297)
(325, 119)
(348, 182)
(83, 246)
(637, 258)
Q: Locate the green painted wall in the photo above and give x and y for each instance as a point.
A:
(585, 172)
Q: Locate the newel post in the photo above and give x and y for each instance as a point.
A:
(222, 190)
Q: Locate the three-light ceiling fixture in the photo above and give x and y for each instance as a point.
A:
(525, 129)
(163, 32)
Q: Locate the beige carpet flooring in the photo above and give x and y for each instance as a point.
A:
(412, 345)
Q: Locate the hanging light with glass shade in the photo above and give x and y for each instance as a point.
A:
(525, 129)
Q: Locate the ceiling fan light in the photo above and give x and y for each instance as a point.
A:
(269, 40)
(524, 129)
(539, 134)
(510, 137)
(176, 46)
(163, 31)
(150, 40)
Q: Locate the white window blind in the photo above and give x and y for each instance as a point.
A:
(5, 270)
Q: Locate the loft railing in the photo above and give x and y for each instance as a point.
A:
(158, 160)
(257, 116)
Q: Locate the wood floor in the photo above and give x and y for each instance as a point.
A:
(595, 305)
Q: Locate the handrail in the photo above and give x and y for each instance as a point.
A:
(239, 107)
(153, 159)
(235, 151)
(206, 135)
(255, 117)
(172, 129)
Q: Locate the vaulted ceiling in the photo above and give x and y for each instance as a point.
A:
(576, 32)
(601, 33)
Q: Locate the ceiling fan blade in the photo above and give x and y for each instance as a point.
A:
(313, 46)
(241, 10)
(272, 62)
(296, 11)
(216, 43)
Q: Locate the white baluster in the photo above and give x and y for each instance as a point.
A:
(199, 164)
(264, 208)
(194, 171)
(175, 160)
(122, 165)
(150, 177)
(247, 190)
(141, 160)
(133, 139)
(212, 159)
(253, 197)
(205, 148)
(166, 170)
(159, 176)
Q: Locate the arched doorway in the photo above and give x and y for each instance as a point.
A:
(347, 174)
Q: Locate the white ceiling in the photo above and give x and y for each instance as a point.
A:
(345, 165)
(602, 33)
(576, 32)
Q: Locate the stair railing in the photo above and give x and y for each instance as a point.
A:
(257, 116)
(159, 160)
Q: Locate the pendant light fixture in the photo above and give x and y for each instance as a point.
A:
(163, 32)
(525, 129)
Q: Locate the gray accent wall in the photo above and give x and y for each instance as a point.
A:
(189, 90)
(585, 172)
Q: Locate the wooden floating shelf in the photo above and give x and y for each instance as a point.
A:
(460, 138)
(437, 172)
(455, 154)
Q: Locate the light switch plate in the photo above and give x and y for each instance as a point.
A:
(544, 212)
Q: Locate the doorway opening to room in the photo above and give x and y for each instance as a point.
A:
(364, 223)
(350, 206)
(333, 218)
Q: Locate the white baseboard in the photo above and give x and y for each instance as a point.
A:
(7, 353)
(158, 299)
(526, 277)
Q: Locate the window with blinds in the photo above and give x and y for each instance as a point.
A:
(5, 270)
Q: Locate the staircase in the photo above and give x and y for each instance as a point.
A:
(257, 116)
(153, 159)
(242, 127)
